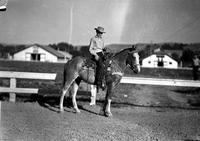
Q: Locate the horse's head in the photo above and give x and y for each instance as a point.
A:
(132, 61)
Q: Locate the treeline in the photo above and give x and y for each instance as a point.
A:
(180, 52)
(187, 50)
(8, 50)
(74, 50)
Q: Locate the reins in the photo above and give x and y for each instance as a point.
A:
(87, 78)
(116, 64)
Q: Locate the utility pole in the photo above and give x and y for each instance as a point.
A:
(71, 23)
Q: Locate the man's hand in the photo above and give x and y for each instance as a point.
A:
(104, 49)
(96, 57)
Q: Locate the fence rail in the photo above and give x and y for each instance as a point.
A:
(157, 81)
(12, 90)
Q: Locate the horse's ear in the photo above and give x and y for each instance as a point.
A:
(130, 50)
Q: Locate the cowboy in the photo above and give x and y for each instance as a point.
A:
(195, 65)
(96, 48)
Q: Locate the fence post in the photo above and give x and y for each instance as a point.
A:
(12, 85)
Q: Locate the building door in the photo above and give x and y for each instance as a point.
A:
(35, 57)
(160, 61)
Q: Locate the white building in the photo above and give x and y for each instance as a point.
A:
(41, 53)
(159, 60)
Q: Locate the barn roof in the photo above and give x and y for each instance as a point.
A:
(47, 48)
(161, 54)
(66, 54)
(51, 50)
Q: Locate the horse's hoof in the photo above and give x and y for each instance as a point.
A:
(101, 112)
(92, 104)
(61, 111)
(108, 114)
(77, 111)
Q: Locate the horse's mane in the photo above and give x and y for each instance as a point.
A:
(120, 52)
(109, 55)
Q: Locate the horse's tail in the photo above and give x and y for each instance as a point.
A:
(64, 77)
(72, 68)
(64, 74)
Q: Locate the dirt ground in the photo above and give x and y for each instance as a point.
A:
(140, 113)
(31, 121)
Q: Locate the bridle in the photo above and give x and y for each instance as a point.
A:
(132, 67)
(133, 64)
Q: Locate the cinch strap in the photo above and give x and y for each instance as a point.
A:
(117, 73)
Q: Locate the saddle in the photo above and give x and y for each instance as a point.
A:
(91, 63)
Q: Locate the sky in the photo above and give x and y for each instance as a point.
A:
(125, 21)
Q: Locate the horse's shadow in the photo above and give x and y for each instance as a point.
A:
(52, 103)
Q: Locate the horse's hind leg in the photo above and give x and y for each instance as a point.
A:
(93, 95)
(74, 92)
(64, 91)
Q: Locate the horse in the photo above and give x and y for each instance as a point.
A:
(75, 71)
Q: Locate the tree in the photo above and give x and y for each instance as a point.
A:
(175, 56)
(187, 55)
(62, 46)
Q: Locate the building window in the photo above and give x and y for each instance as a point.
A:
(35, 57)
(35, 49)
(170, 63)
(149, 62)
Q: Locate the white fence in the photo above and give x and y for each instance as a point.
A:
(165, 82)
(12, 90)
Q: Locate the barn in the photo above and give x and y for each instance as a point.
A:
(160, 60)
(41, 53)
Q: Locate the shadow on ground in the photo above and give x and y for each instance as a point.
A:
(51, 102)
(192, 94)
(193, 91)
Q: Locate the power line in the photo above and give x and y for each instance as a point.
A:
(183, 27)
(71, 23)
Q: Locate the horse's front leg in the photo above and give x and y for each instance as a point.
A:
(74, 92)
(107, 110)
(108, 99)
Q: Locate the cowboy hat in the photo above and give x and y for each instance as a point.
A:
(3, 4)
(100, 29)
(3, 8)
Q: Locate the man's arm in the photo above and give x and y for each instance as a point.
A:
(91, 49)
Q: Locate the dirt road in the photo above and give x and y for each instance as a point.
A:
(32, 122)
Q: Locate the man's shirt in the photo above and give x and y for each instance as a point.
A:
(196, 62)
(96, 45)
